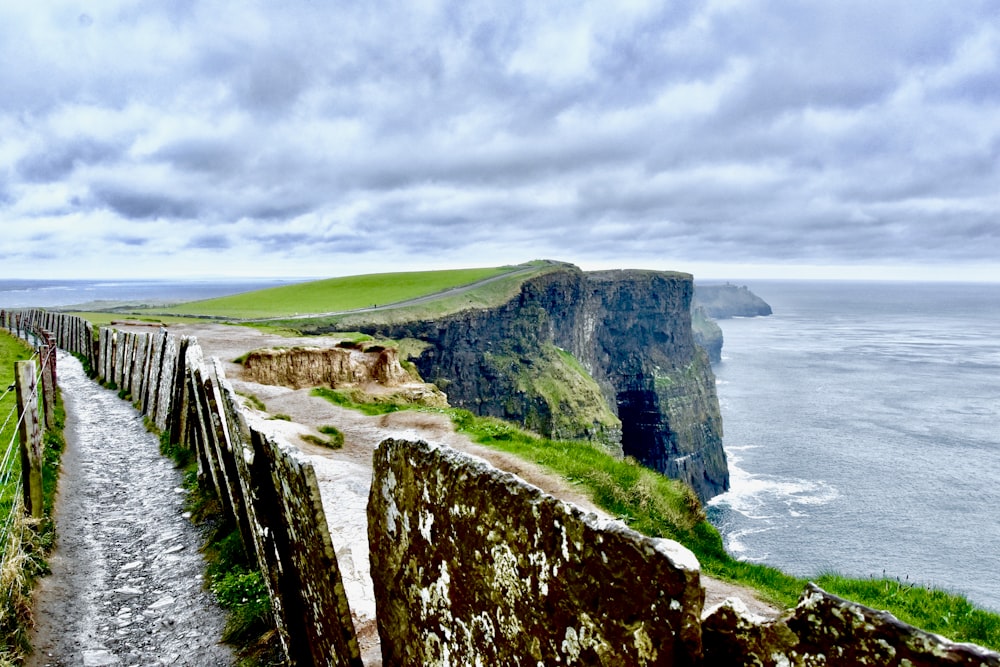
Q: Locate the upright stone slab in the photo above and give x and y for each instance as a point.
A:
(152, 383)
(168, 378)
(210, 467)
(105, 337)
(138, 374)
(120, 342)
(474, 566)
(827, 630)
(237, 443)
(315, 602)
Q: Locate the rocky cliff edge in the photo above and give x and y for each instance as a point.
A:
(605, 355)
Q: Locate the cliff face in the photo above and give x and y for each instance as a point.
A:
(707, 333)
(725, 301)
(631, 333)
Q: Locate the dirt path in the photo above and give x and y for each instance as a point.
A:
(126, 582)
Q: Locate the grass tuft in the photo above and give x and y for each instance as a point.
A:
(334, 439)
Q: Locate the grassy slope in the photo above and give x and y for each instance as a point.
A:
(489, 295)
(335, 294)
(11, 349)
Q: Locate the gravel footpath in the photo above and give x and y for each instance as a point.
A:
(126, 582)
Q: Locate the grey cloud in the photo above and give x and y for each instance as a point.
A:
(210, 242)
(137, 204)
(128, 240)
(202, 155)
(56, 161)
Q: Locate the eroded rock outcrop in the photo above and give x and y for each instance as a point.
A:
(651, 391)
(473, 566)
(332, 367)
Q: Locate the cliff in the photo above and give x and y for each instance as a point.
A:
(608, 356)
(707, 333)
(725, 301)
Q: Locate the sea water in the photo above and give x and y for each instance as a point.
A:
(61, 293)
(862, 427)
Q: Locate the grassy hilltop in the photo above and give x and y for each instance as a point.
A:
(342, 295)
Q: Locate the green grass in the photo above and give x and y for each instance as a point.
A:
(660, 507)
(253, 400)
(350, 399)
(489, 295)
(23, 557)
(335, 294)
(12, 349)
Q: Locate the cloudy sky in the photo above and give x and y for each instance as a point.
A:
(317, 138)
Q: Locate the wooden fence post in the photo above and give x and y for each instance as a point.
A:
(47, 358)
(31, 437)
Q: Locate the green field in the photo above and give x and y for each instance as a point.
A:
(11, 349)
(336, 294)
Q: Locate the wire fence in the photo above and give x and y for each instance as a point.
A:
(11, 485)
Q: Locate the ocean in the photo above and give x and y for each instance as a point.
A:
(61, 293)
(862, 426)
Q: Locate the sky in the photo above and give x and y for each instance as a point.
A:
(840, 138)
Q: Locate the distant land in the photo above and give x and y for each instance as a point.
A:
(724, 301)
(721, 302)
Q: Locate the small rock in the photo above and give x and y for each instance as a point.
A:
(165, 601)
(174, 549)
(128, 591)
(98, 658)
(131, 566)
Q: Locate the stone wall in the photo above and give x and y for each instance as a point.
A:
(474, 566)
(73, 334)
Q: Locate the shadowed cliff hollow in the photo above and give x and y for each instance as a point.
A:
(607, 355)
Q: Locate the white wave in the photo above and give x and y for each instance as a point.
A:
(736, 546)
(759, 497)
